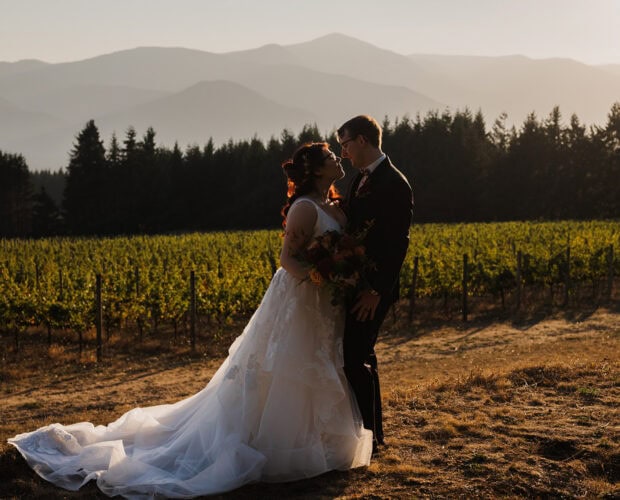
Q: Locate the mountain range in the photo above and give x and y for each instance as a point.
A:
(190, 96)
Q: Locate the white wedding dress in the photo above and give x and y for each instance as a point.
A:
(279, 408)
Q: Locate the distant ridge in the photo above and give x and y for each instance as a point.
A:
(190, 95)
(10, 68)
(612, 68)
(193, 113)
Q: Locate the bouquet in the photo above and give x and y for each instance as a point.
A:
(337, 262)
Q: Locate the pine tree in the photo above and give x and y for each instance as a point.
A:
(15, 196)
(609, 201)
(114, 154)
(85, 199)
(46, 218)
(310, 133)
(128, 182)
(150, 198)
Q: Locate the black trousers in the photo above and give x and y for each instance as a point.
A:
(360, 367)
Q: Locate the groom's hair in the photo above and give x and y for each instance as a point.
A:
(363, 125)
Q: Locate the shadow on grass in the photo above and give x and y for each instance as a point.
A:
(18, 480)
(398, 330)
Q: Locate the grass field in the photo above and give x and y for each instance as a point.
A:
(494, 409)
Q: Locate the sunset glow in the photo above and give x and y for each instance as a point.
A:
(66, 30)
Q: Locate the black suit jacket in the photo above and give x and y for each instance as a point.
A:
(386, 202)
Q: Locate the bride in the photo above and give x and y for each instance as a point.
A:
(279, 408)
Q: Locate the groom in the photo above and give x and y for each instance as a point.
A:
(379, 198)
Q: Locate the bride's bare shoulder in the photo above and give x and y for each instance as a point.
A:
(301, 214)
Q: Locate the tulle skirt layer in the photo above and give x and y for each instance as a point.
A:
(278, 409)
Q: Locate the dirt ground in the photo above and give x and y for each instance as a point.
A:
(486, 409)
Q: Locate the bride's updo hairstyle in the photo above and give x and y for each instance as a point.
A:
(301, 171)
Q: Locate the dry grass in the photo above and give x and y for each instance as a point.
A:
(493, 410)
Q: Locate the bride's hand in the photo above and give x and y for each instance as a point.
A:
(366, 305)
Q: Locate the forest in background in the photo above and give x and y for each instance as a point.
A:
(461, 170)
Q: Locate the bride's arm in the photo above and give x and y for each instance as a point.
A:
(299, 229)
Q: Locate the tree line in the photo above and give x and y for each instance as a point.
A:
(460, 169)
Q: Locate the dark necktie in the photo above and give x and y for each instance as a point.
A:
(365, 173)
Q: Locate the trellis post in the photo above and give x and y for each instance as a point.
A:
(465, 280)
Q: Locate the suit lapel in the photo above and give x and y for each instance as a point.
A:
(374, 179)
(354, 201)
(350, 197)
(379, 172)
(356, 183)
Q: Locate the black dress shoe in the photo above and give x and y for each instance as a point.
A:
(375, 448)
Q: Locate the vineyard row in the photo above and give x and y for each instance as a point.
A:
(145, 281)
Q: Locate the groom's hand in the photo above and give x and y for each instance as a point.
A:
(366, 305)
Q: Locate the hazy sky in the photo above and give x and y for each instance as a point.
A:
(65, 30)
